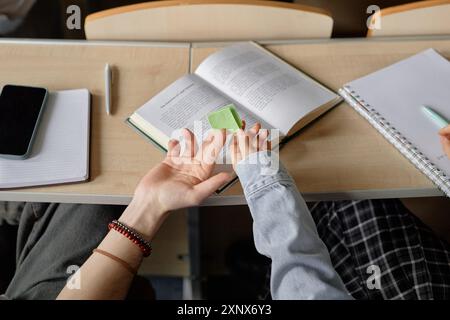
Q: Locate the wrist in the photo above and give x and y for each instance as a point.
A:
(121, 247)
(144, 219)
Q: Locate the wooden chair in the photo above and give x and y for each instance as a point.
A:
(209, 20)
(417, 18)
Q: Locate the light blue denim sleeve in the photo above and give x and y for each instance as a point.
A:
(285, 232)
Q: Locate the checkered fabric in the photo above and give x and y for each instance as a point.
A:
(413, 262)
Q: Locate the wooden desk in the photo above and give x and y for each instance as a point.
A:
(340, 156)
(119, 157)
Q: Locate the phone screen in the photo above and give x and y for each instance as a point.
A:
(20, 109)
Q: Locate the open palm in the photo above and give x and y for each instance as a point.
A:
(184, 179)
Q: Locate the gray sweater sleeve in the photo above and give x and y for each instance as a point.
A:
(285, 232)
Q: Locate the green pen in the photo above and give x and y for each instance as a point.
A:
(435, 117)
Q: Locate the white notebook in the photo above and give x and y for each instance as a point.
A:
(60, 153)
(391, 98)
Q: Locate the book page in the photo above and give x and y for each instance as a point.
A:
(185, 101)
(265, 85)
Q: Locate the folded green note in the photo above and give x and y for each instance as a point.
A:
(225, 118)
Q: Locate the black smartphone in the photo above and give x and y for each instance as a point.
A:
(20, 111)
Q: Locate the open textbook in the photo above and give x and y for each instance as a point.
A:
(263, 88)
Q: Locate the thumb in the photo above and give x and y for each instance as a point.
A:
(445, 131)
(446, 145)
(207, 187)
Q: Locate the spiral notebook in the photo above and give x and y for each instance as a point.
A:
(391, 99)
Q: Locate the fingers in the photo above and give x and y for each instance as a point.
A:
(245, 143)
(446, 145)
(174, 148)
(211, 147)
(251, 141)
(262, 140)
(206, 188)
(243, 140)
(189, 143)
(254, 130)
(235, 152)
(445, 140)
(445, 131)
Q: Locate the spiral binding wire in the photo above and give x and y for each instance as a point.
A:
(414, 155)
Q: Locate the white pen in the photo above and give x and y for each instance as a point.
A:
(108, 78)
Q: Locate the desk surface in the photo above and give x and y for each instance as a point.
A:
(119, 157)
(339, 156)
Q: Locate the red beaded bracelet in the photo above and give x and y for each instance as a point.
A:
(131, 234)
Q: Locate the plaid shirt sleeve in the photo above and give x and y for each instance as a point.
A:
(285, 232)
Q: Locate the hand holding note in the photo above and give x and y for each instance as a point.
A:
(247, 142)
(445, 139)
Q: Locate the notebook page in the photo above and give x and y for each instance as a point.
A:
(60, 152)
(398, 92)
